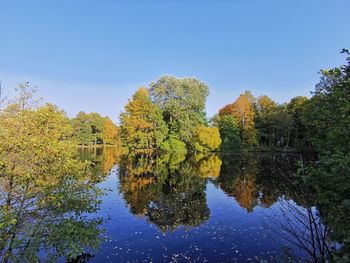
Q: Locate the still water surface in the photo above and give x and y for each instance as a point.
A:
(230, 208)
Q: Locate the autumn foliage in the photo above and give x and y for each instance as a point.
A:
(243, 112)
(206, 139)
(142, 123)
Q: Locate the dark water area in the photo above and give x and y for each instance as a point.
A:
(207, 208)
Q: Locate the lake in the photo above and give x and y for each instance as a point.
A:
(207, 208)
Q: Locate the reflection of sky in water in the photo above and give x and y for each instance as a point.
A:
(230, 234)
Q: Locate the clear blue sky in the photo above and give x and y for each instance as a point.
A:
(93, 55)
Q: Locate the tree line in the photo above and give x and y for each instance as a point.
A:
(85, 128)
(170, 115)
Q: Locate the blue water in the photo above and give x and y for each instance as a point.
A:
(245, 207)
(230, 233)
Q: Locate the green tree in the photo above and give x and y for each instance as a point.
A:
(82, 129)
(88, 128)
(296, 109)
(326, 117)
(174, 145)
(273, 122)
(282, 125)
(266, 108)
(182, 102)
(229, 133)
(142, 124)
(97, 127)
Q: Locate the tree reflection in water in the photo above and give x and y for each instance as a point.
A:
(269, 180)
(47, 220)
(238, 179)
(172, 193)
(102, 158)
(164, 189)
(48, 217)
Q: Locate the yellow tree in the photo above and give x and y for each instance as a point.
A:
(42, 181)
(110, 132)
(266, 104)
(142, 123)
(206, 139)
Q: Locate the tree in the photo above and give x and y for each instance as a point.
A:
(88, 128)
(281, 126)
(296, 109)
(265, 109)
(326, 116)
(182, 102)
(142, 124)
(46, 191)
(329, 180)
(265, 105)
(110, 132)
(253, 101)
(243, 112)
(97, 127)
(273, 122)
(82, 129)
(174, 146)
(229, 133)
(206, 139)
(226, 110)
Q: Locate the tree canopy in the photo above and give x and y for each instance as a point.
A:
(182, 102)
(142, 123)
(93, 129)
(243, 112)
